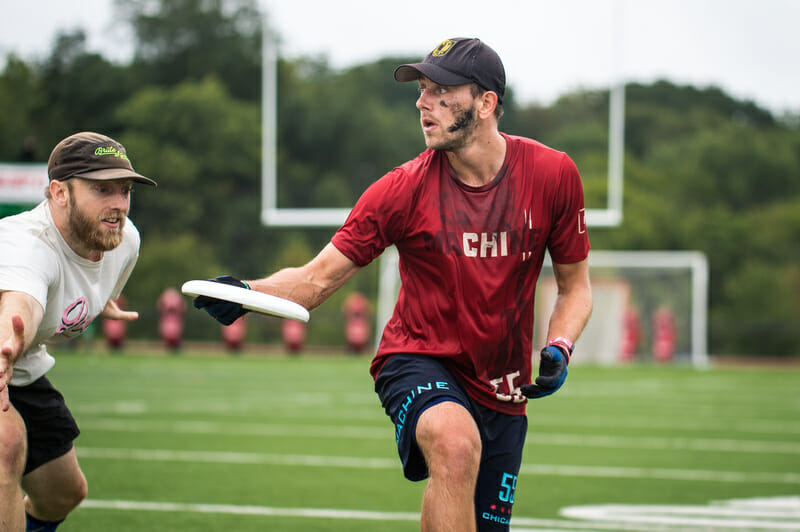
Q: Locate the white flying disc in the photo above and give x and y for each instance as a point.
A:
(249, 299)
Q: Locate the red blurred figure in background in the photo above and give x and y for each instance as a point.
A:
(665, 334)
(171, 308)
(631, 334)
(356, 310)
(294, 335)
(234, 335)
(115, 331)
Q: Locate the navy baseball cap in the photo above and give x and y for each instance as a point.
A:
(92, 156)
(457, 62)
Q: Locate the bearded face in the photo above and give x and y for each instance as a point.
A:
(458, 134)
(448, 115)
(101, 231)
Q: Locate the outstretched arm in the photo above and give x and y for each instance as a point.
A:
(20, 316)
(310, 285)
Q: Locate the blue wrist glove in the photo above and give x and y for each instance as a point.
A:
(552, 373)
(225, 312)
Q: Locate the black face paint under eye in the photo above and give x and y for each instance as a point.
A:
(443, 104)
(462, 122)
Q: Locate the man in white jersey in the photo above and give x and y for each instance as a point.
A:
(62, 264)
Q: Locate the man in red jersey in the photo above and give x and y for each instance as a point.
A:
(471, 218)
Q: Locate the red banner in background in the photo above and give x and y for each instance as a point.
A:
(22, 182)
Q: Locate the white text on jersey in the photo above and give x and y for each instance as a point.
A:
(485, 244)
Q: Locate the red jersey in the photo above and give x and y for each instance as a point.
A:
(469, 260)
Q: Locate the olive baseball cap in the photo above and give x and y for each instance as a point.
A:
(459, 61)
(92, 156)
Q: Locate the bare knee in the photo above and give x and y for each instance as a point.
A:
(13, 448)
(454, 455)
(66, 499)
(450, 441)
(76, 493)
(55, 489)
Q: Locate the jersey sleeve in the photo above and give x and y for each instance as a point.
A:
(25, 265)
(377, 219)
(569, 240)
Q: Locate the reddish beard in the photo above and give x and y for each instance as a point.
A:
(92, 233)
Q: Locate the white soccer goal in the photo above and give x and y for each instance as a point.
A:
(666, 290)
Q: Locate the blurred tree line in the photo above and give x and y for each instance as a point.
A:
(703, 171)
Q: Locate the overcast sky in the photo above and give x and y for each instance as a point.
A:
(749, 49)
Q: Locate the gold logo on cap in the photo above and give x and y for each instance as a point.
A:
(443, 48)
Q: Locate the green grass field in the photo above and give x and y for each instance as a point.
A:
(202, 442)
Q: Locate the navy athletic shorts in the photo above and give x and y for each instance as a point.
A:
(408, 385)
(49, 423)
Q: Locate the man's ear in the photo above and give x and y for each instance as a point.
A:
(59, 192)
(488, 103)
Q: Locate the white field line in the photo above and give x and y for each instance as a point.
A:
(361, 432)
(750, 425)
(696, 475)
(699, 517)
(243, 402)
(244, 429)
(223, 457)
(322, 513)
(670, 444)
(753, 425)
(391, 463)
(726, 516)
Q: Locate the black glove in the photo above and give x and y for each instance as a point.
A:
(225, 312)
(552, 373)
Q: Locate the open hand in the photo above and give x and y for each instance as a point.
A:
(113, 312)
(11, 349)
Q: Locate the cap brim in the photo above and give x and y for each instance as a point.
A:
(435, 73)
(110, 174)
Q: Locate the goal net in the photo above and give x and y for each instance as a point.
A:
(649, 306)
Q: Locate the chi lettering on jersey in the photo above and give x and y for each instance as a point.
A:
(485, 244)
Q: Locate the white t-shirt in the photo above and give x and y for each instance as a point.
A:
(35, 259)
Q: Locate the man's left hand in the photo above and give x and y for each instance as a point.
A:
(10, 350)
(552, 373)
(113, 312)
